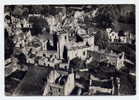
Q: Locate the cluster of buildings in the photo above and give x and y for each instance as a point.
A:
(60, 46)
(120, 37)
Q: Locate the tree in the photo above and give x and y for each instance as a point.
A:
(18, 11)
(101, 38)
(38, 25)
(22, 58)
(9, 45)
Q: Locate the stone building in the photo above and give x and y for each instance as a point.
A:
(99, 86)
(62, 42)
(71, 49)
(59, 84)
(112, 58)
(77, 51)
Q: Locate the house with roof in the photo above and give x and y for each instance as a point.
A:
(59, 84)
(25, 23)
(112, 58)
(100, 84)
(120, 36)
(113, 36)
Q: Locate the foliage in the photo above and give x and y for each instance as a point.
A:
(38, 25)
(101, 39)
(9, 45)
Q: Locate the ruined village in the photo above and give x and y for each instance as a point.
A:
(70, 50)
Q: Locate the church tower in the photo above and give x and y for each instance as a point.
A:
(62, 40)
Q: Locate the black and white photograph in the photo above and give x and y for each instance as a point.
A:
(70, 50)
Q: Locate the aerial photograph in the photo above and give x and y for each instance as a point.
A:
(70, 50)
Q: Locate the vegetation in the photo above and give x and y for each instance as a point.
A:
(38, 25)
(9, 45)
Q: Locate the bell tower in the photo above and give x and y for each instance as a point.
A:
(62, 41)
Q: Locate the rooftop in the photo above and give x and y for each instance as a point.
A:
(61, 80)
